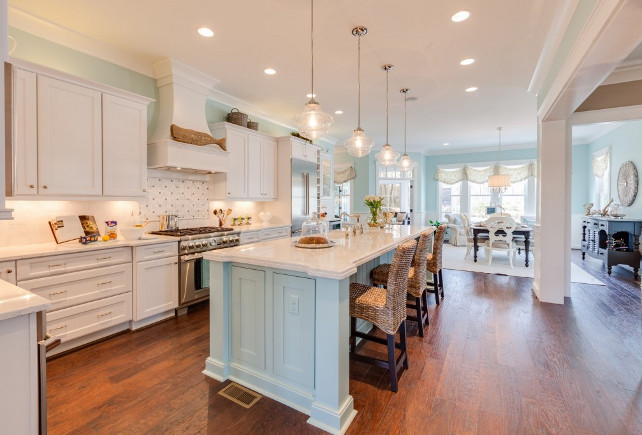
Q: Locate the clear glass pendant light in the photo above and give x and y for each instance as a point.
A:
(499, 182)
(359, 144)
(313, 123)
(387, 156)
(405, 163)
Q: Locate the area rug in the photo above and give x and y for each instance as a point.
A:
(454, 259)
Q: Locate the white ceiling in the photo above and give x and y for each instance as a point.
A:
(417, 36)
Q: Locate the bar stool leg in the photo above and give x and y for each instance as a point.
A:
(435, 280)
(441, 283)
(402, 337)
(392, 366)
(425, 296)
(420, 316)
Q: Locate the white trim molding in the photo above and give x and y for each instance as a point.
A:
(629, 71)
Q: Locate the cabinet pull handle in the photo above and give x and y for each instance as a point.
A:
(159, 251)
(31, 186)
(103, 283)
(9, 271)
(104, 258)
(104, 314)
(58, 293)
(51, 266)
(45, 186)
(144, 190)
(176, 262)
(60, 327)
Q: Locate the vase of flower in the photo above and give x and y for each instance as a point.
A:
(374, 203)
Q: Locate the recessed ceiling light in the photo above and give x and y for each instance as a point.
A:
(204, 31)
(460, 16)
(467, 62)
(269, 71)
(471, 89)
(446, 144)
(311, 95)
(338, 112)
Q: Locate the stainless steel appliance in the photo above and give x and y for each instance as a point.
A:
(45, 344)
(168, 222)
(304, 192)
(193, 273)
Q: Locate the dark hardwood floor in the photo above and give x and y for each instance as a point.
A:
(494, 360)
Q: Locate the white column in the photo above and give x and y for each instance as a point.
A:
(333, 406)
(4, 44)
(553, 219)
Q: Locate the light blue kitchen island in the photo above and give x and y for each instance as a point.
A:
(280, 323)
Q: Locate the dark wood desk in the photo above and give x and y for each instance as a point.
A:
(521, 231)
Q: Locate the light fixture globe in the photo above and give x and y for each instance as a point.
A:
(313, 123)
(359, 144)
(405, 163)
(387, 156)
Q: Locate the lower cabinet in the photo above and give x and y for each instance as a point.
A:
(156, 288)
(8, 271)
(272, 323)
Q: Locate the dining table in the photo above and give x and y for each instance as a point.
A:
(523, 230)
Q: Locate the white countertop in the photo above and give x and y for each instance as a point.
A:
(15, 301)
(337, 262)
(257, 227)
(42, 249)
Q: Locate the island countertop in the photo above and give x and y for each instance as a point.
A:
(15, 301)
(337, 262)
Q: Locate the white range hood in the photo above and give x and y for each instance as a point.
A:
(183, 92)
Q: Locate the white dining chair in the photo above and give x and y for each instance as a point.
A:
(500, 237)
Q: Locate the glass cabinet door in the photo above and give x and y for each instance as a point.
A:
(326, 176)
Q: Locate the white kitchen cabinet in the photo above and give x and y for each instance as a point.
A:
(8, 271)
(156, 290)
(124, 147)
(303, 150)
(25, 133)
(252, 164)
(69, 139)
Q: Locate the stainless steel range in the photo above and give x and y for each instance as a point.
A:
(194, 274)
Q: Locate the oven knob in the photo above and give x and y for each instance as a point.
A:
(197, 245)
(213, 242)
(236, 239)
(225, 240)
(191, 245)
(184, 247)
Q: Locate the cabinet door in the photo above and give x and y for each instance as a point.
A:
(124, 147)
(69, 139)
(254, 167)
(268, 168)
(236, 179)
(294, 306)
(156, 288)
(25, 133)
(8, 271)
(326, 176)
(248, 316)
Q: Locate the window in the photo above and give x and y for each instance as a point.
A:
(396, 188)
(342, 198)
(450, 198)
(601, 178)
(513, 201)
(479, 198)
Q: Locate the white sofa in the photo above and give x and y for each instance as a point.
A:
(456, 229)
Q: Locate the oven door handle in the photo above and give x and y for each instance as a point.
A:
(190, 257)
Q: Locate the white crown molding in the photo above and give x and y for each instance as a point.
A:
(470, 150)
(628, 71)
(552, 43)
(60, 35)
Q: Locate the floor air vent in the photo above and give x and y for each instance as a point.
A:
(241, 395)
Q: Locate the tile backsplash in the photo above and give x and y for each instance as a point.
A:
(187, 195)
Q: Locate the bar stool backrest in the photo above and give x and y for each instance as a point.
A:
(397, 287)
(418, 281)
(434, 264)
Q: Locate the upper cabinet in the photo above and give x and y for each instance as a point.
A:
(75, 139)
(326, 175)
(252, 164)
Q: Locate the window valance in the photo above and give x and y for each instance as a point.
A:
(343, 175)
(480, 175)
(600, 163)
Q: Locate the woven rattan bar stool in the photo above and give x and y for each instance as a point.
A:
(416, 280)
(386, 309)
(433, 264)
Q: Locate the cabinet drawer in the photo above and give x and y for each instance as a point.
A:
(79, 287)
(152, 252)
(57, 264)
(8, 271)
(275, 233)
(249, 237)
(74, 322)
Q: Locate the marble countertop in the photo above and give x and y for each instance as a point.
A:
(15, 301)
(42, 249)
(337, 262)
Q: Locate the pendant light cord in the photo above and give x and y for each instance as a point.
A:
(359, 82)
(312, 47)
(387, 73)
(405, 122)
